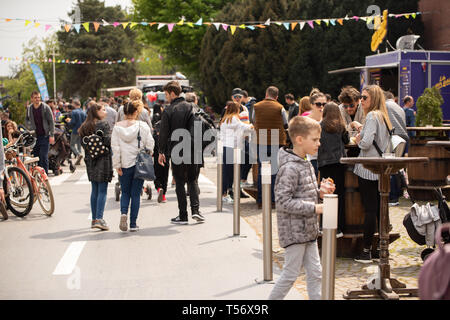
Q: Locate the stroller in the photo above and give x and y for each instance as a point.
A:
(444, 215)
(59, 152)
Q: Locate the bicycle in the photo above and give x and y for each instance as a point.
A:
(32, 175)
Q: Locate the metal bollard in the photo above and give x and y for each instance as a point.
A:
(266, 179)
(329, 226)
(219, 175)
(237, 192)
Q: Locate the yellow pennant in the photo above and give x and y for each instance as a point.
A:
(233, 29)
(242, 26)
(27, 22)
(86, 26)
(132, 25)
(36, 24)
(190, 24)
(124, 24)
(180, 23)
(318, 21)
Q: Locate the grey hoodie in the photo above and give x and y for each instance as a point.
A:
(296, 194)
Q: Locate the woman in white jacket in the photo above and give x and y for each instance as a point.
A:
(232, 131)
(124, 145)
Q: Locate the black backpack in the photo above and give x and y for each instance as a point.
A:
(94, 145)
(201, 118)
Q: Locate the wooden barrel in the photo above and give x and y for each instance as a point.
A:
(354, 210)
(423, 177)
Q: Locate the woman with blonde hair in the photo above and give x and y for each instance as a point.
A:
(232, 130)
(143, 115)
(373, 134)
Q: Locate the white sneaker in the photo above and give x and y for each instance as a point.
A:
(246, 185)
(123, 222)
(227, 199)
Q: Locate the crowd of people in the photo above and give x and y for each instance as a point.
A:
(304, 142)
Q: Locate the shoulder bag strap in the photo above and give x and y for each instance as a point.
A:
(139, 136)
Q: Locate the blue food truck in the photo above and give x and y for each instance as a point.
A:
(408, 72)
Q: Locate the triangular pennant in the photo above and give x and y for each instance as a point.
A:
(181, 22)
(217, 25)
(8, 20)
(341, 21)
(170, 26)
(302, 24)
(414, 15)
(407, 16)
(145, 23)
(96, 25)
(311, 24)
(369, 20)
(251, 27)
(318, 21)
(125, 24)
(115, 24)
(333, 22)
(261, 26)
(77, 27)
(286, 25)
(47, 26)
(190, 24)
(199, 22)
(278, 23)
(327, 21)
(346, 17)
(27, 22)
(67, 27)
(398, 16)
(293, 25)
(225, 26)
(242, 26)
(160, 25)
(355, 18)
(233, 29)
(133, 24)
(267, 23)
(86, 26)
(36, 24)
(363, 18)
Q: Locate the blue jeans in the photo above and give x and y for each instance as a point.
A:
(41, 150)
(246, 166)
(227, 170)
(267, 153)
(98, 199)
(131, 190)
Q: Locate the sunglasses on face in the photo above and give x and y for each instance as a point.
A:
(351, 106)
(364, 97)
(318, 104)
(237, 96)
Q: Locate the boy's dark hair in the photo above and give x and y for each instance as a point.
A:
(172, 86)
(302, 126)
(289, 96)
(245, 93)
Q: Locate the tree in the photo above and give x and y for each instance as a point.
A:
(154, 65)
(429, 111)
(112, 43)
(294, 61)
(181, 46)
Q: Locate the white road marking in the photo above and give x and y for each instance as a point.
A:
(58, 180)
(69, 259)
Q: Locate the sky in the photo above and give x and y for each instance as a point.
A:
(14, 34)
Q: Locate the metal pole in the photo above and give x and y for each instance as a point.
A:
(219, 175)
(267, 219)
(237, 192)
(54, 76)
(329, 226)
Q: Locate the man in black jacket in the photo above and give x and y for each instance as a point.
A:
(178, 115)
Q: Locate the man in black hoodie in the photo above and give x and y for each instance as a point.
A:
(179, 115)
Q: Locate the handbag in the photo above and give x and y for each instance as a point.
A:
(144, 169)
(94, 145)
(396, 142)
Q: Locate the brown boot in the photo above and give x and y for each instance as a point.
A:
(79, 158)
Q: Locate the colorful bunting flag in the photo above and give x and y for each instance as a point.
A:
(77, 27)
(125, 24)
(96, 25)
(233, 29)
(67, 27)
(302, 25)
(170, 26)
(293, 25)
(199, 22)
(86, 26)
(311, 24)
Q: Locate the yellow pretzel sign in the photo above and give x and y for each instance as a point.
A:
(380, 34)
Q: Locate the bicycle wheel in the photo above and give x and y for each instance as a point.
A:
(44, 194)
(18, 192)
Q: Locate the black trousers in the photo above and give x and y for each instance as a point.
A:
(370, 197)
(186, 173)
(161, 173)
(336, 172)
